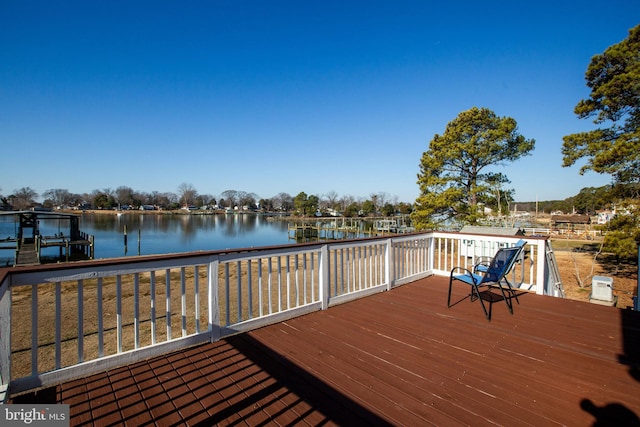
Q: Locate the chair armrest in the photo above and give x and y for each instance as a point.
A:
(482, 264)
(467, 276)
(466, 270)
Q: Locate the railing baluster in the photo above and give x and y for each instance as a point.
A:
(34, 329)
(183, 300)
(58, 325)
(249, 290)
(80, 320)
(269, 285)
(260, 290)
(361, 266)
(296, 278)
(167, 280)
(373, 272)
(227, 290)
(288, 270)
(367, 266)
(304, 278)
(213, 298)
(119, 312)
(100, 318)
(347, 271)
(415, 256)
(381, 264)
(239, 290)
(136, 311)
(279, 284)
(456, 251)
(376, 266)
(313, 277)
(333, 279)
(152, 302)
(196, 296)
(406, 271)
(351, 284)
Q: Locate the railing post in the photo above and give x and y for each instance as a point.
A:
(5, 339)
(323, 286)
(389, 260)
(542, 268)
(213, 303)
(432, 252)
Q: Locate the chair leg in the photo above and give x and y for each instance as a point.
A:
(449, 298)
(512, 290)
(476, 290)
(504, 296)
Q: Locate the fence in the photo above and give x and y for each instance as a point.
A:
(63, 321)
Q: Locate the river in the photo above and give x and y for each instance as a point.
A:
(149, 234)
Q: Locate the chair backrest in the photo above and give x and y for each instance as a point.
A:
(502, 263)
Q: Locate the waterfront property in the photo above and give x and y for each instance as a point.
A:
(284, 334)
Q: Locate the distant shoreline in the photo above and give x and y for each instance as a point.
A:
(170, 212)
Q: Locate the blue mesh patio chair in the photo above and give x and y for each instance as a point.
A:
(493, 273)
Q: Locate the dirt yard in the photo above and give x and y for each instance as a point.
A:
(576, 267)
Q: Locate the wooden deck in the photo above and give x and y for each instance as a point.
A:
(395, 358)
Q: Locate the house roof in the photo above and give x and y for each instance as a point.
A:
(571, 219)
(504, 231)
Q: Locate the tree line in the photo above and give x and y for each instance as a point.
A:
(588, 201)
(125, 197)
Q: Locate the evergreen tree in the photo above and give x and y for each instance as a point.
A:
(454, 175)
(614, 80)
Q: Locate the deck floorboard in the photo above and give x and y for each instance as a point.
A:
(394, 358)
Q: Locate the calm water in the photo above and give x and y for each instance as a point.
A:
(160, 234)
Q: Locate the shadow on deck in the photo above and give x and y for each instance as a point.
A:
(395, 358)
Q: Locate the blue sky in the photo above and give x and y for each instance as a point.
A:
(287, 96)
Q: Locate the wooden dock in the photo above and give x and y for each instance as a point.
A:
(327, 231)
(83, 245)
(28, 243)
(325, 228)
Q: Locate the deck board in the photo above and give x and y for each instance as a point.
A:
(394, 358)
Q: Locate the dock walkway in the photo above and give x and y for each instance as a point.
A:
(27, 254)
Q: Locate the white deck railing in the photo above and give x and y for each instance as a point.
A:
(59, 322)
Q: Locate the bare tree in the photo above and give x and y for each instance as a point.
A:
(24, 198)
(247, 199)
(124, 195)
(583, 282)
(170, 199)
(58, 197)
(208, 199)
(346, 201)
(187, 194)
(379, 200)
(283, 202)
(331, 198)
(231, 198)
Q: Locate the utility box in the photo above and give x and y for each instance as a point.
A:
(602, 291)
